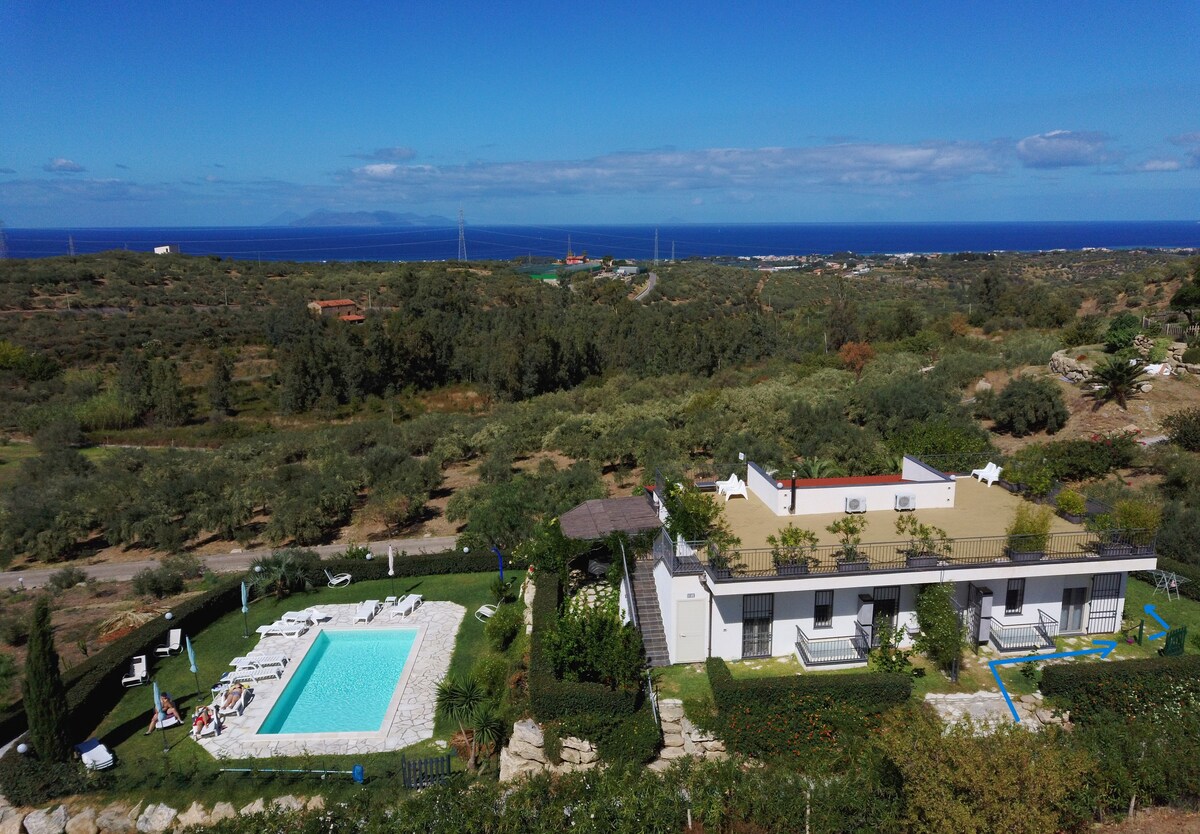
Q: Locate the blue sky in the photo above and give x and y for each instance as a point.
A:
(234, 113)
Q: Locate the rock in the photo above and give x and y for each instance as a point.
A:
(689, 746)
(714, 746)
(658, 765)
(222, 811)
(1027, 699)
(512, 767)
(982, 385)
(569, 755)
(255, 807)
(194, 815)
(672, 727)
(115, 819)
(83, 823)
(588, 757)
(672, 739)
(523, 750)
(717, 755)
(670, 710)
(1146, 387)
(317, 803)
(156, 818)
(287, 803)
(47, 822)
(529, 732)
(578, 744)
(1068, 366)
(672, 753)
(1045, 716)
(11, 822)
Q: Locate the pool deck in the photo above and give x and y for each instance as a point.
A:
(409, 721)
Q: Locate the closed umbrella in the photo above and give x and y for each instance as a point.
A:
(191, 653)
(392, 568)
(159, 715)
(245, 609)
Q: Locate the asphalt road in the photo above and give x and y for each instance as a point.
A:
(218, 562)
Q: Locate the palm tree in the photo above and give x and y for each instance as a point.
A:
(462, 700)
(1118, 380)
(818, 468)
(280, 573)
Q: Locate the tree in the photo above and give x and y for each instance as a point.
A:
(1118, 380)
(169, 403)
(1187, 299)
(220, 385)
(855, 356)
(45, 695)
(464, 701)
(941, 638)
(284, 571)
(1027, 405)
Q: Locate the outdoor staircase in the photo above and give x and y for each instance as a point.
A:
(645, 600)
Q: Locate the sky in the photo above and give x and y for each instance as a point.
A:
(229, 114)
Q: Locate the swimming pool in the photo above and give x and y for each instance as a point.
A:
(344, 684)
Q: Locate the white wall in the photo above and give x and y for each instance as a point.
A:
(764, 487)
(915, 470)
(932, 490)
(666, 605)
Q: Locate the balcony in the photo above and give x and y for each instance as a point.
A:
(828, 651)
(1025, 637)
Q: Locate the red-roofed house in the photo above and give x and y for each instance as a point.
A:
(337, 307)
(353, 318)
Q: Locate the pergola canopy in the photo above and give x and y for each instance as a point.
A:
(599, 517)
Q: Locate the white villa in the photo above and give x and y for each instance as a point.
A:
(749, 602)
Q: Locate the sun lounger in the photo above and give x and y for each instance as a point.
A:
(366, 611)
(989, 473)
(485, 612)
(174, 643)
(138, 672)
(340, 579)
(731, 487)
(408, 605)
(316, 615)
(164, 723)
(94, 754)
(265, 660)
(282, 629)
(239, 706)
(254, 674)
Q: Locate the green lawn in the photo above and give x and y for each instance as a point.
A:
(187, 772)
(13, 454)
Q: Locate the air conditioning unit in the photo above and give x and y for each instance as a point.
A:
(906, 501)
(856, 504)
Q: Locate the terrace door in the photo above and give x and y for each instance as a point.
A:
(1071, 619)
(758, 614)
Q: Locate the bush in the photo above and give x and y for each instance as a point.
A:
(633, 739)
(1027, 405)
(1183, 426)
(802, 716)
(592, 645)
(1192, 355)
(942, 637)
(1121, 332)
(1029, 531)
(422, 564)
(66, 578)
(157, 582)
(1070, 502)
(14, 630)
(1140, 515)
(1164, 688)
(502, 627)
(27, 780)
(492, 673)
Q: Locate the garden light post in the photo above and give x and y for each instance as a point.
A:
(22, 748)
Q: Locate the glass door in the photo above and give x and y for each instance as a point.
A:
(1071, 619)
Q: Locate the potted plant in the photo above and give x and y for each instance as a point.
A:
(1138, 520)
(849, 530)
(1109, 541)
(1071, 505)
(927, 544)
(1028, 533)
(719, 563)
(792, 550)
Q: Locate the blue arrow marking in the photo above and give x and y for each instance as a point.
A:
(1105, 647)
(1149, 609)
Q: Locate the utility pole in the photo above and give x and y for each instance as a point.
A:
(672, 251)
(71, 245)
(462, 237)
(656, 247)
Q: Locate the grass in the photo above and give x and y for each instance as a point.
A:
(189, 773)
(12, 455)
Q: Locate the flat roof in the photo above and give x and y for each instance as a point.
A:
(597, 518)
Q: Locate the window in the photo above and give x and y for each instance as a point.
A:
(887, 605)
(758, 613)
(1014, 600)
(823, 610)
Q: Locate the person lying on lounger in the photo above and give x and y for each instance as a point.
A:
(205, 717)
(232, 694)
(167, 709)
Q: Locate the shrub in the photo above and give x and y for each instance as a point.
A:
(492, 673)
(1027, 405)
(1029, 531)
(14, 630)
(66, 578)
(633, 739)
(1192, 355)
(1184, 426)
(43, 690)
(421, 564)
(1070, 502)
(501, 629)
(592, 645)
(157, 582)
(798, 717)
(1139, 515)
(1121, 332)
(28, 780)
(1164, 688)
(941, 638)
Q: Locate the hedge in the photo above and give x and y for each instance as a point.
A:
(1191, 590)
(1158, 687)
(800, 715)
(552, 699)
(422, 564)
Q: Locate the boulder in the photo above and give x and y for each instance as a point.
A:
(194, 815)
(222, 811)
(689, 746)
(512, 767)
(255, 807)
(1146, 387)
(523, 750)
(670, 710)
(316, 803)
(529, 732)
(83, 823)
(156, 818)
(672, 740)
(569, 755)
(672, 753)
(1045, 716)
(714, 746)
(287, 803)
(11, 821)
(115, 819)
(47, 821)
(658, 765)
(982, 386)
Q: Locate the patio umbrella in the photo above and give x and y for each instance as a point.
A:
(245, 609)
(392, 568)
(191, 653)
(159, 715)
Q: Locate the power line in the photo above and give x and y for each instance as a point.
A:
(462, 237)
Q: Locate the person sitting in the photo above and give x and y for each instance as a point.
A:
(232, 694)
(166, 711)
(205, 717)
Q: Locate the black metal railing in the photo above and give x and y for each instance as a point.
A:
(1023, 637)
(820, 651)
(679, 560)
(772, 563)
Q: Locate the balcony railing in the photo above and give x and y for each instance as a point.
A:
(773, 563)
(680, 557)
(1025, 637)
(822, 651)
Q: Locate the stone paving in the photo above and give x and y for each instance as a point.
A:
(411, 712)
(989, 709)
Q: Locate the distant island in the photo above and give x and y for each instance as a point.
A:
(324, 217)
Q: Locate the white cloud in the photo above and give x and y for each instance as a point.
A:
(62, 165)
(1155, 165)
(1065, 148)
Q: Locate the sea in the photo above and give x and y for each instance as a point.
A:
(634, 242)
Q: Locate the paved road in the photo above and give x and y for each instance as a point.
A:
(649, 288)
(219, 562)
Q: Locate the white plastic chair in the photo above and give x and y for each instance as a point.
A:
(340, 579)
(485, 612)
(174, 643)
(139, 672)
(989, 474)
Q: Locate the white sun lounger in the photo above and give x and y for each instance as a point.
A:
(339, 579)
(94, 754)
(138, 672)
(174, 643)
(282, 629)
(265, 660)
(238, 707)
(366, 611)
(406, 606)
(254, 674)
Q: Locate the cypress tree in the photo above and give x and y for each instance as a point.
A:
(45, 695)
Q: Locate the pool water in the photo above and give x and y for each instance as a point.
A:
(344, 683)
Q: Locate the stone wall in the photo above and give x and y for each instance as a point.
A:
(1064, 364)
(526, 753)
(683, 738)
(121, 818)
